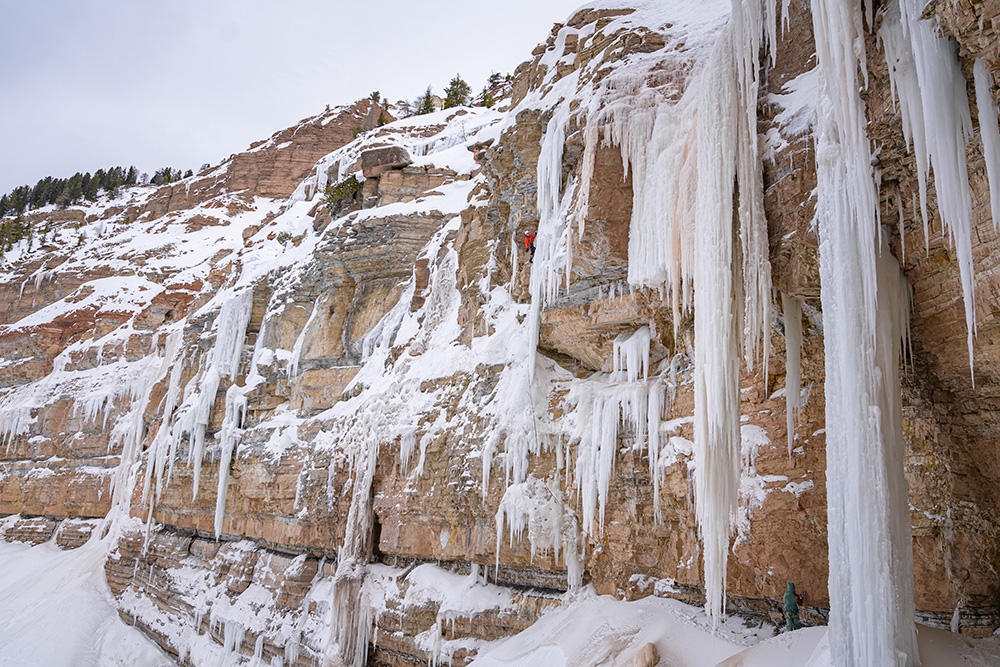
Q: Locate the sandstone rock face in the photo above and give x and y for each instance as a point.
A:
(353, 401)
(271, 168)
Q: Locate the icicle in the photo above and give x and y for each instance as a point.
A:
(871, 618)
(905, 86)
(717, 344)
(222, 362)
(550, 243)
(631, 355)
(591, 138)
(595, 460)
(129, 429)
(892, 331)
(229, 437)
(990, 134)
(536, 507)
(928, 79)
(350, 608)
(902, 229)
(654, 416)
(748, 28)
(162, 449)
(792, 310)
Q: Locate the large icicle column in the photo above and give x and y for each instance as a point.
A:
(871, 594)
(716, 326)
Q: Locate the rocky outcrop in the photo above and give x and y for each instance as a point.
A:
(379, 160)
(272, 168)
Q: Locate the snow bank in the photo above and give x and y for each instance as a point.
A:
(603, 631)
(56, 610)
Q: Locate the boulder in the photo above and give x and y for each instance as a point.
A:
(379, 160)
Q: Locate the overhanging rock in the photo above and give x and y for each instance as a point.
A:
(378, 160)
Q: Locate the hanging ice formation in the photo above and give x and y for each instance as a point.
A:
(683, 231)
(792, 310)
(927, 79)
(129, 430)
(190, 415)
(871, 573)
(626, 397)
(990, 133)
(350, 609)
(534, 507)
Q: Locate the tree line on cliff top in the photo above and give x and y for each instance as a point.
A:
(458, 93)
(78, 187)
(64, 192)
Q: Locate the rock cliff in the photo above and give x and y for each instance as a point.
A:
(288, 410)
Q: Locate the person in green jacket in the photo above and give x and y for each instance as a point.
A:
(792, 602)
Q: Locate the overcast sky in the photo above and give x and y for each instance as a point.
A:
(88, 84)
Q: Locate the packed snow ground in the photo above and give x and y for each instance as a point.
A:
(56, 610)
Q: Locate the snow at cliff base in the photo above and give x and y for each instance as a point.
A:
(56, 610)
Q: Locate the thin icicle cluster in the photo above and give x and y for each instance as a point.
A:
(351, 620)
(871, 594)
(129, 429)
(552, 261)
(631, 355)
(605, 404)
(221, 362)
(538, 509)
(927, 79)
(163, 448)
(751, 22)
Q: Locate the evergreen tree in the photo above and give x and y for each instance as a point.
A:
(164, 176)
(188, 174)
(4, 205)
(457, 93)
(20, 198)
(132, 177)
(74, 188)
(114, 179)
(90, 186)
(12, 231)
(426, 103)
(40, 193)
(55, 190)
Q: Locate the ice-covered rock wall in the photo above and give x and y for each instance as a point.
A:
(298, 408)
